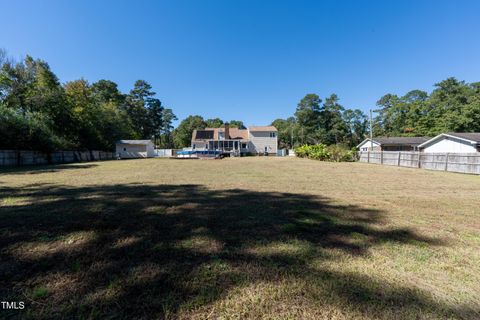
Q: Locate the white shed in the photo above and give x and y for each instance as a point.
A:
(130, 149)
(452, 143)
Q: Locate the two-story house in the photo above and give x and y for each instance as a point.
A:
(260, 140)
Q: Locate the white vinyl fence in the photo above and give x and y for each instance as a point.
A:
(453, 162)
(25, 157)
(162, 153)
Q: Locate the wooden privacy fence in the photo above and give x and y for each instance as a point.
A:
(453, 162)
(24, 157)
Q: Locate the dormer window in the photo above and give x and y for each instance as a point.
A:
(272, 134)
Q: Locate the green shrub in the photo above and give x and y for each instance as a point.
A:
(325, 153)
(317, 152)
(340, 154)
(302, 151)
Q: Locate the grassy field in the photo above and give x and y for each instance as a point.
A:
(239, 238)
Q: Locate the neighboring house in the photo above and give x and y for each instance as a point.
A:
(129, 149)
(452, 142)
(255, 140)
(392, 144)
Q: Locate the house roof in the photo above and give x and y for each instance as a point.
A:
(135, 141)
(213, 133)
(471, 137)
(262, 128)
(397, 141)
(235, 133)
(400, 140)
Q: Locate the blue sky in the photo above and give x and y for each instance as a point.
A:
(250, 60)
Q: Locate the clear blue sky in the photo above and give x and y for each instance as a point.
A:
(250, 60)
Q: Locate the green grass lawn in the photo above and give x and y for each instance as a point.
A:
(239, 238)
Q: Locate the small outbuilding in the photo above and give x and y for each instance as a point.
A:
(131, 149)
(452, 142)
(391, 144)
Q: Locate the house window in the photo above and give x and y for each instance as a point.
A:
(244, 146)
(272, 134)
(364, 149)
(124, 149)
(193, 146)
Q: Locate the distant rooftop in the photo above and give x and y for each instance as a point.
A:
(134, 141)
(235, 133)
(262, 128)
(213, 133)
(401, 140)
(472, 136)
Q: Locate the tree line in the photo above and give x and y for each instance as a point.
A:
(37, 112)
(322, 122)
(453, 106)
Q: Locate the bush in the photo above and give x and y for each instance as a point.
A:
(340, 154)
(325, 153)
(317, 152)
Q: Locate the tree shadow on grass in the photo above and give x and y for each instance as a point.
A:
(156, 251)
(45, 168)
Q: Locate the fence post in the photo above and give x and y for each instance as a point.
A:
(398, 164)
(446, 161)
(381, 157)
(368, 156)
(419, 159)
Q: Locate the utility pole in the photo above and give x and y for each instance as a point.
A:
(371, 131)
(371, 127)
(291, 137)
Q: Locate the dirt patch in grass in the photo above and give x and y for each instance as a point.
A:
(239, 238)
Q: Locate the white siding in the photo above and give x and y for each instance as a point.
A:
(261, 139)
(448, 144)
(163, 152)
(130, 151)
(366, 144)
(150, 150)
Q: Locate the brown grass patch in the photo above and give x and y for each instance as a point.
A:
(259, 238)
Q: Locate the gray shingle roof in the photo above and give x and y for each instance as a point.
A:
(135, 141)
(473, 136)
(400, 140)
